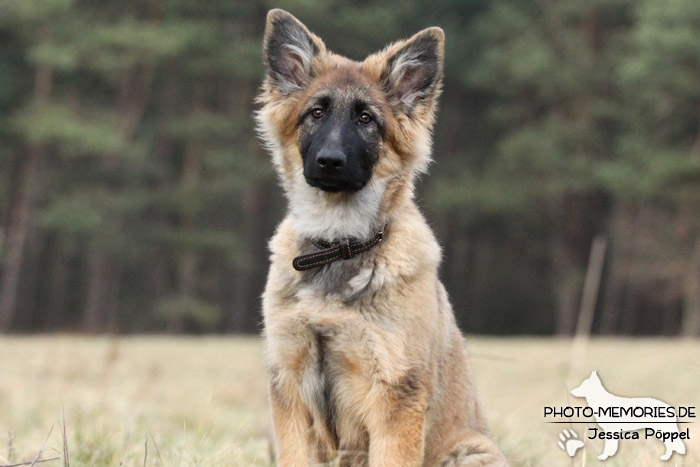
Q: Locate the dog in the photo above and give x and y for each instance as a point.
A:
(366, 363)
(597, 398)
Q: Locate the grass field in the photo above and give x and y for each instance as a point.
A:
(202, 401)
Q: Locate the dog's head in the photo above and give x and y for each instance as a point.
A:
(342, 124)
(588, 386)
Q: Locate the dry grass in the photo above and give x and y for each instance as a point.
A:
(186, 402)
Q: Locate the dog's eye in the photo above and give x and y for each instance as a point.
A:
(317, 112)
(365, 117)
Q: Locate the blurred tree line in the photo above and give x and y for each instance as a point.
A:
(135, 197)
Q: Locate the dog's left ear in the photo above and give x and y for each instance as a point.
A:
(413, 74)
(289, 50)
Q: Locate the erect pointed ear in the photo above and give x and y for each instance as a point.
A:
(413, 73)
(288, 51)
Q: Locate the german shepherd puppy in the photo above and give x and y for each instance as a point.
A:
(366, 364)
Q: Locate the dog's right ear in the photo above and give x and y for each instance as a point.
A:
(413, 73)
(289, 49)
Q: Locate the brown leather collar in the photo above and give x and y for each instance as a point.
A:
(333, 251)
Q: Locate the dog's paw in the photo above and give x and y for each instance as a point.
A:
(569, 442)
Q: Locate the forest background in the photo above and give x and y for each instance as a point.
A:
(135, 196)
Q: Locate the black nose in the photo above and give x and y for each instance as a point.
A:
(330, 160)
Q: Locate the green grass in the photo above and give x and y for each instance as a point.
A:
(202, 401)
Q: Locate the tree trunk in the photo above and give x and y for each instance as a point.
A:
(21, 212)
(245, 290)
(99, 313)
(103, 267)
(690, 325)
(565, 283)
(58, 288)
(612, 301)
(458, 269)
(591, 286)
(187, 261)
(100, 309)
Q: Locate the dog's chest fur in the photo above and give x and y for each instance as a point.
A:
(344, 280)
(335, 424)
(338, 323)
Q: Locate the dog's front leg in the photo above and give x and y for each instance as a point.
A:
(396, 424)
(291, 422)
(609, 449)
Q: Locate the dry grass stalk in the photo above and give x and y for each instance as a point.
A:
(32, 462)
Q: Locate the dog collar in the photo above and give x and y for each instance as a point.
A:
(333, 251)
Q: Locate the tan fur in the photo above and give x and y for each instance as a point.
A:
(366, 362)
